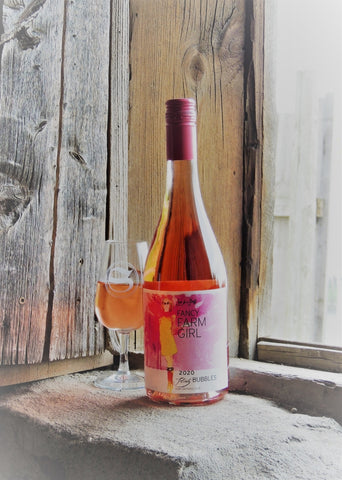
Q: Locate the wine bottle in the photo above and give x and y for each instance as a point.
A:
(185, 281)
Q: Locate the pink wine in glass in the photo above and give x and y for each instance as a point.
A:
(185, 282)
(121, 311)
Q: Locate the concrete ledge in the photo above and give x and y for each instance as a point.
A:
(314, 392)
(64, 428)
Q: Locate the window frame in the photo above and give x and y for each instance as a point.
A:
(258, 206)
(257, 199)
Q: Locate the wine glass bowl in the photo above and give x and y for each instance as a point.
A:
(119, 304)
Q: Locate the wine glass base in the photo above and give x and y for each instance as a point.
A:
(120, 382)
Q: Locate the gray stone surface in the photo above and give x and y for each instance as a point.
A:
(65, 428)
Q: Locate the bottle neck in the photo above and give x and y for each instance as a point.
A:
(181, 142)
(182, 179)
(182, 173)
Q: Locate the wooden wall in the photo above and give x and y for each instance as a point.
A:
(68, 163)
(190, 48)
(53, 180)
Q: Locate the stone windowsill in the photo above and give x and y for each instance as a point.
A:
(65, 428)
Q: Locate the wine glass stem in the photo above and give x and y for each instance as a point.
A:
(124, 365)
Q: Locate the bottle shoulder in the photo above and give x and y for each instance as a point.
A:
(185, 249)
(184, 246)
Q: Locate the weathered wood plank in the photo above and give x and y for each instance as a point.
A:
(55, 73)
(14, 374)
(194, 49)
(268, 172)
(292, 315)
(118, 114)
(117, 201)
(29, 106)
(325, 136)
(319, 357)
(252, 179)
(81, 186)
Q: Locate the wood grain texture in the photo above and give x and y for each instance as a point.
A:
(14, 374)
(53, 176)
(252, 180)
(196, 49)
(117, 174)
(29, 105)
(64, 112)
(318, 357)
(268, 172)
(81, 185)
(118, 116)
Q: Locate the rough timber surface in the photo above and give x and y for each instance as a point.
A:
(190, 49)
(54, 71)
(66, 428)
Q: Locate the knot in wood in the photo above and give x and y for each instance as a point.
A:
(26, 40)
(197, 68)
(78, 157)
(194, 64)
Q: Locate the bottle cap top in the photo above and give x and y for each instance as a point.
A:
(181, 111)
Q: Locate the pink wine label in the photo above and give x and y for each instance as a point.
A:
(186, 341)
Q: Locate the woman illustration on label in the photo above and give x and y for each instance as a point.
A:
(168, 346)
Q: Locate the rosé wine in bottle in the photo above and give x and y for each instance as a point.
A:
(185, 282)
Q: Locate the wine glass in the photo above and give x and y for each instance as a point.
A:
(118, 303)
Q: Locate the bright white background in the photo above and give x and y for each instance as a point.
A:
(307, 36)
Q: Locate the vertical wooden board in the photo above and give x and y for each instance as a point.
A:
(278, 322)
(302, 221)
(29, 115)
(252, 232)
(117, 207)
(324, 182)
(196, 49)
(81, 189)
(268, 169)
(119, 86)
(295, 226)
